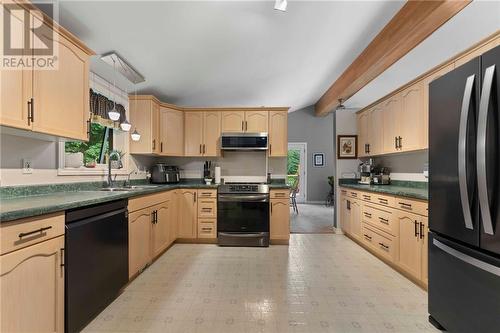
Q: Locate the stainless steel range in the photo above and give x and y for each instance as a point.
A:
(243, 215)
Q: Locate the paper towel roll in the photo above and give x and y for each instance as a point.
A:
(217, 175)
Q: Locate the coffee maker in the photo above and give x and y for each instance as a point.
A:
(381, 176)
(365, 171)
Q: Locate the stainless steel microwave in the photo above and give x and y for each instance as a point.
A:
(244, 141)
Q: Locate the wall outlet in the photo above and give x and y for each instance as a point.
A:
(27, 167)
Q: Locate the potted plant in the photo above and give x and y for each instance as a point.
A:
(116, 159)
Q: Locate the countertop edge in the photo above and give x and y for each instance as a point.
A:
(388, 191)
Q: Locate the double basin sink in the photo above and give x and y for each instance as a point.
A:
(127, 188)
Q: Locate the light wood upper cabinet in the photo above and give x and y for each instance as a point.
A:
(233, 121)
(32, 288)
(278, 133)
(256, 121)
(161, 228)
(280, 219)
(144, 116)
(211, 133)
(187, 214)
(375, 130)
(411, 120)
(139, 240)
(410, 243)
(171, 132)
(362, 123)
(391, 111)
(194, 133)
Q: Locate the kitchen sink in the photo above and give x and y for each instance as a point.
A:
(140, 187)
(115, 189)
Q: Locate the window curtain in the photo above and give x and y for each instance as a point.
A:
(99, 107)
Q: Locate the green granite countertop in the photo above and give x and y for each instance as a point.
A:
(414, 190)
(27, 201)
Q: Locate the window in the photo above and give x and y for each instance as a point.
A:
(95, 150)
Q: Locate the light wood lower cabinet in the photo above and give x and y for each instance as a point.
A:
(139, 240)
(188, 213)
(279, 219)
(160, 232)
(32, 288)
(207, 214)
(355, 223)
(345, 214)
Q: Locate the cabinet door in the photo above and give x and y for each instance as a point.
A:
(61, 96)
(155, 128)
(174, 215)
(391, 109)
(187, 214)
(211, 133)
(278, 133)
(171, 132)
(256, 121)
(362, 122)
(355, 215)
(375, 130)
(410, 252)
(32, 288)
(411, 120)
(425, 259)
(345, 215)
(139, 240)
(143, 118)
(193, 130)
(161, 228)
(426, 82)
(280, 219)
(233, 121)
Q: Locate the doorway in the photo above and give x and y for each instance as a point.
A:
(297, 169)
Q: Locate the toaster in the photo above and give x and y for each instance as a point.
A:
(164, 174)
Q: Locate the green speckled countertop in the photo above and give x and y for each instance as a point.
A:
(26, 201)
(407, 189)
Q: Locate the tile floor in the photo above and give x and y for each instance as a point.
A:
(312, 219)
(320, 283)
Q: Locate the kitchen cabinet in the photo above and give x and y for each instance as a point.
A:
(145, 117)
(245, 121)
(355, 218)
(174, 214)
(425, 249)
(160, 231)
(32, 288)
(202, 130)
(278, 133)
(207, 214)
(391, 117)
(54, 102)
(411, 119)
(139, 232)
(187, 214)
(411, 243)
(280, 219)
(375, 130)
(345, 214)
(362, 123)
(171, 132)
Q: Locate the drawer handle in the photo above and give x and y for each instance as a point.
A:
(405, 205)
(384, 221)
(368, 215)
(206, 229)
(280, 194)
(366, 196)
(41, 230)
(367, 237)
(385, 247)
(382, 200)
(206, 193)
(354, 194)
(206, 209)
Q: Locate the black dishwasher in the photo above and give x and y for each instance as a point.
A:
(96, 260)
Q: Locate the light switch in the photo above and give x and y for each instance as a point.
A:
(27, 166)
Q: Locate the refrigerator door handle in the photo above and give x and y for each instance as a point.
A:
(462, 152)
(467, 259)
(481, 150)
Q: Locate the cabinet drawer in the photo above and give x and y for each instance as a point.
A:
(353, 194)
(382, 243)
(24, 232)
(207, 207)
(148, 200)
(207, 228)
(380, 218)
(280, 194)
(343, 192)
(414, 206)
(367, 196)
(383, 199)
(368, 236)
(207, 193)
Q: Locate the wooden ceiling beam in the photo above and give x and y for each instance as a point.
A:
(409, 27)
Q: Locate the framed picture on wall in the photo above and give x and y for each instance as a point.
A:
(347, 147)
(319, 160)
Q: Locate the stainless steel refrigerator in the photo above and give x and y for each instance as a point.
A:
(464, 197)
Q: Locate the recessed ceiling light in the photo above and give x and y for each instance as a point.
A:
(280, 5)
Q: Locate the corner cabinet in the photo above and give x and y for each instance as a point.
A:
(145, 118)
(278, 133)
(53, 102)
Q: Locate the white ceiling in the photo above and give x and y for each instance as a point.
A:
(229, 53)
(244, 53)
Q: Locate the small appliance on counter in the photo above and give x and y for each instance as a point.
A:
(165, 174)
(365, 170)
(381, 176)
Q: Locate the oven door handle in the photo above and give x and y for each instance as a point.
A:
(243, 198)
(242, 234)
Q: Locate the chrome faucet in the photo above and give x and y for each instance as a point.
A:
(110, 177)
(127, 182)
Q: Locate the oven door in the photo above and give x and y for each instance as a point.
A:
(243, 219)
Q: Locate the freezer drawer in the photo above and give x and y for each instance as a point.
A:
(464, 287)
